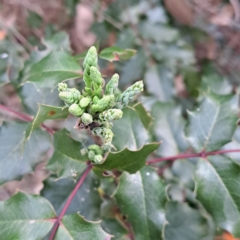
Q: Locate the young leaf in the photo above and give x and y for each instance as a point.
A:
(127, 160)
(116, 54)
(213, 123)
(141, 198)
(46, 112)
(26, 217)
(75, 227)
(66, 160)
(16, 161)
(56, 67)
(185, 223)
(217, 187)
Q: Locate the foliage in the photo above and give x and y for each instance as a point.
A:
(149, 152)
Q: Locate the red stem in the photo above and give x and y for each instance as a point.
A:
(24, 117)
(193, 155)
(65, 207)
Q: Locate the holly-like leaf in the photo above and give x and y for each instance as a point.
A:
(75, 227)
(44, 113)
(217, 187)
(213, 123)
(127, 160)
(56, 67)
(144, 115)
(141, 198)
(168, 127)
(129, 131)
(66, 160)
(16, 161)
(25, 217)
(116, 54)
(185, 223)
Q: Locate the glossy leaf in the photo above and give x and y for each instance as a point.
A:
(183, 222)
(56, 67)
(116, 54)
(44, 113)
(141, 199)
(213, 123)
(15, 161)
(75, 227)
(218, 187)
(127, 160)
(26, 217)
(66, 160)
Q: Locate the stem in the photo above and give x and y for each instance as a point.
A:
(71, 196)
(194, 155)
(24, 117)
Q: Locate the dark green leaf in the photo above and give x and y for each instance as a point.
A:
(217, 187)
(44, 113)
(16, 161)
(141, 198)
(116, 54)
(185, 223)
(25, 217)
(66, 160)
(127, 160)
(213, 123)
(54, 68)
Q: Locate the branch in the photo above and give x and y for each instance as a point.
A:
(65, 207)
(194, 155)
(23, 117)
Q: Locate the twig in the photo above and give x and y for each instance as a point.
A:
(65, 207)
(24, 117)
(194, 155)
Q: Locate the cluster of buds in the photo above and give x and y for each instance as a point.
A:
(94, 105)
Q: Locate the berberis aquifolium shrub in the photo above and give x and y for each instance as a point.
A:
(97, 107)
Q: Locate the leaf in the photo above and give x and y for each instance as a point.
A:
(143, 114)
(217, 187)
(56, 67)
(16, 161)
(86, 201)
(66, 160)
(44, 113)
(129, 131)
(127, 160)
(75, 227)
(185, 223)
(141, 199)
(213, 123)
(116, 54)
(168, 127)
(26, 217)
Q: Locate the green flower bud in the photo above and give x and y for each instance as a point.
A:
(91, 58)
(111, 114)
(95, 99)
(91, 155)
(62, 87)
(75, 110)
(129, 94)
(97, 149)
(87, 118)
(106, 147)
(84, 102)
(96, 76)
(67, 97)
(75, 93)
(105, 133)
(98, 159)
(102, 104)
(112, 86)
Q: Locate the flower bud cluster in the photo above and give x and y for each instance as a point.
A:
(95, 107)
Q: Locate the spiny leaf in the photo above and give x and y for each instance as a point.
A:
(54, 68)
(127, 160)
(213, 124)
(66, 160)
(218, 189)
(46, 112)
(16, 161)
(141, 199)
